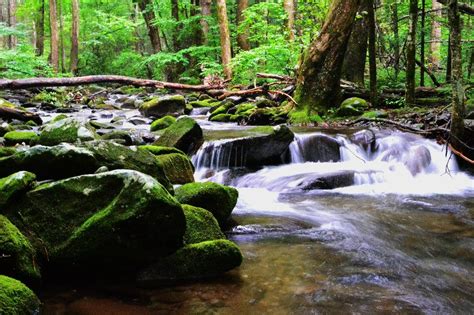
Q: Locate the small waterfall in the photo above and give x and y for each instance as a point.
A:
(219, 154)
(314, 147)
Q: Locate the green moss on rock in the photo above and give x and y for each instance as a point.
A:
(162, 123)
(168, 105)
(15, 184)
(185, 134)
(16, 298)
(353, 106)
(159, 150)
(66, 130)
(220, 200)
(16, 137)
(17, 256)
(115, 220)
(195, 261)
(177, 167)
(205, 103)
(201, 226)
(221, 118)
(6, 151)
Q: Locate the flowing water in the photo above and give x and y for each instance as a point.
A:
(399, 239)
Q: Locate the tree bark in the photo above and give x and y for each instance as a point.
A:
(225, 37)
(320, 70)
(12, 40)
(39, 25)
(372, 53)
(471, 64)
(75, 36)
(411, 54)
(422, 42)
(53, 21)
(353, 68)
(462, 7)
(61, 37)
(396, 34)
(435, 45)
(289, 6)
(242, 37)
(146, 6)
(206, 13)
(457, 115)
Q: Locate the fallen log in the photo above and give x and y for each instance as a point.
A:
(463, 7)
(100, 79)
(9, 113)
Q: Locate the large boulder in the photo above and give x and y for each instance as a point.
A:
(66, 130)
(353, 106)
(20, 136)
(15, 184)
(252, 151)
(16, 298)
(66, 160)
(162, 123)
(220, 200)
(169, 105)
(316, 148)
(185, 134)
(177, 167)
(17, 256)
(114, 220)
(195, 261)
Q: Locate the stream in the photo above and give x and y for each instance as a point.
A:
(400, 240)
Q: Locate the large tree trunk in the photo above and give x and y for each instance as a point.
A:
(53, 21)
(206, 13)
(372, 53)
(225, 37)
(62, 49)
(320, 71)
(411, 54)
(422, 42)
(75, 36)
(396, 39)
(435, 45)
(242, 37)
(146, 6)
(289, 6)
(3, 19)
(353, 68)
(457, 116)
(39, 26)
(12, 40)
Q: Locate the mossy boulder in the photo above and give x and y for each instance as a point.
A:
(115, 220)
(194, 261)
(177, 167)
(17, 256)
(159, 150)
(17, 137)
(66, 160)
(221, 118)
(14, 184)
(185, 134)
(201, 226)
(4, 128)
(66, 130)
(244, 108)
(353, 106)
(169, 105)
(162, 123)
(6, 151)
(221, 108)
(262, 103)
(205, 103)
(121, 136)
(220, 200)
(16, 298)
(375, 114)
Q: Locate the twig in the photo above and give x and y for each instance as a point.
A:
(462, 156)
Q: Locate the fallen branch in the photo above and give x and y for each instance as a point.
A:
(13, 113)
(462, 156)
(430, 74)
(100, 79)
(275, 76)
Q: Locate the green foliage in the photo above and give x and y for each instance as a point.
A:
(22, 63)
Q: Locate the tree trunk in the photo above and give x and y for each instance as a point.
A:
(457, 115)
(422, 42)
(3, 19)
(372, 53)
(39, 25)
(146, 6)
(289, 6)
(62, 49)
(242, 37)
(318, 79)
(449, 62)
(12, 40)
(411, 54)
(225, 37)
(206, 13)
(435, 45)
(353, 68)
(53, 21)
(75, 36)
(471, 64)
(396, 35)
(175, 14)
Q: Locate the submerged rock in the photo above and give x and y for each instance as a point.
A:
(17, 256)
(185, 134)
(220, 200)
(328, 181)
(16, 298)
(115, 220)
(195, 261)
(66, 130)
(174, 105)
